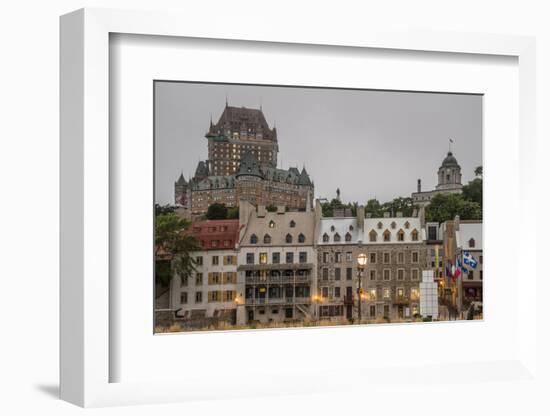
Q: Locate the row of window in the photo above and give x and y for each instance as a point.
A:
(276, 258)
(213, 296)
(373, 294)
(384, 257)
(214, 278)
(267, 239)
(215, 260)
(386, 274)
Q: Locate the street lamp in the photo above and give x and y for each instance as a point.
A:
(361, 263)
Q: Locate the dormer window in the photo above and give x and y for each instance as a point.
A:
(407, 225)
(472, 243)
(348, 237)
(332, 228)
(267, 239)
(372, 236)
(387, 235)
(351, 227)
(379, 225)
(414, 235)
(292, 224)
(325, 238)
(301, 238)
(400, 235)
(253, 239)
(288, 239)
(271, 224)
(336, 238)
(393, 225)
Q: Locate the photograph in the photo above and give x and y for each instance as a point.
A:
(294, 206)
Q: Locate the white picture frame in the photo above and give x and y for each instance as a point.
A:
(85, 211)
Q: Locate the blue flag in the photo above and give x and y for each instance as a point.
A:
(469, 260)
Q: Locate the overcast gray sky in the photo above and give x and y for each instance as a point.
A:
(367, 143)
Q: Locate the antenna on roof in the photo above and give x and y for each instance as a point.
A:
(450, 142)
(226, 102)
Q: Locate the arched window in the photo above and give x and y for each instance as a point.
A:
(271, 224)
(401, 235)
(472, 243)
(372, 236)
(387, 235)
(348, 237)
(267, 239)
(379, 225)
(292, 224)
(336, 238)
(301, 238)
(325, 238)
(288, 239)
(253, 239)
(414, 235)
(393, 225)
(407, 225)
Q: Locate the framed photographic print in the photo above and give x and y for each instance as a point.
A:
(336, 210)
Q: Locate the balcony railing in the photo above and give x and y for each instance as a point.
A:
(278, 301)
(278, 279)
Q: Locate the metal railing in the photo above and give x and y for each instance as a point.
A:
(278, 279)
(278, 301)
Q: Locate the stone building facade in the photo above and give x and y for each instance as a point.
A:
(396, 256)
(242, 165)
(277, 263)
(449, 180)
(210, 294)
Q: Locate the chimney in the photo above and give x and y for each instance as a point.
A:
(361, 217)
(386, 214)
(419, 186)
(261, 211)
(422, 216)
(280, 209)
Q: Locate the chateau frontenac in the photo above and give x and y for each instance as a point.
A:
(242, 165)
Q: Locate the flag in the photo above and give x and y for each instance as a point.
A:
(469, 260)
(456, 269)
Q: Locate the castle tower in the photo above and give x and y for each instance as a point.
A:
(449, 176)
(180, 191)
(240, 130)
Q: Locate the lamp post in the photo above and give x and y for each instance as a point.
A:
(361, 263)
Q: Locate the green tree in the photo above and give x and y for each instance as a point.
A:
(216, 212)
(173, 248)
(478, 171)
(399, 204)
(473, 191)
(232, 213)
(271, 208)
(374, 208)
(444, 207)
(164, 209)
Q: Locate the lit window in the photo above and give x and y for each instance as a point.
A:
(263, 258)
(271, 224)
(386, 293)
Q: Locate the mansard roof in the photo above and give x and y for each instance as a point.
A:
(237, 119)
